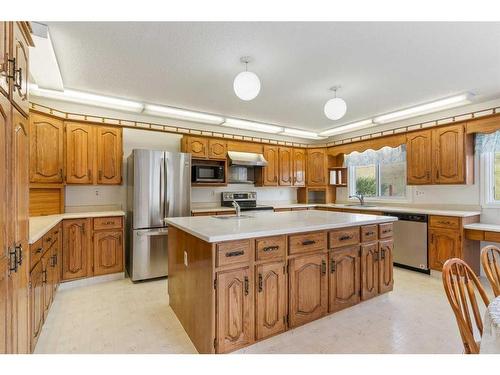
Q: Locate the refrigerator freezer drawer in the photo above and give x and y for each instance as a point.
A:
(148, 258)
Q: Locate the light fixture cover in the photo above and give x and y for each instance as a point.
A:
(335, 108)
(182, 114)
(246, 85)
(301, 133)
(250, 125)
(347, 128)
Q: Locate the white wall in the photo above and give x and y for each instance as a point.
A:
(264, 194)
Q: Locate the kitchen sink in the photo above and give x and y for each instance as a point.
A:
(233, 217)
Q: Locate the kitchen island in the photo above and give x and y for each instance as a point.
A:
(237, 280)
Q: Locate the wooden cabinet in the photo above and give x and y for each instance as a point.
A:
(235, 315)
(48, 289)
(5, 43)
(37, 278)
(75, 254)
(419, 158)
(46, 149)
(196, 146)
(270, 173)
(317, 167)
(448, 145)
(270, 300)
(79, 153)
(109, 155)
(386, 279)
(108, 252)
(369, 270)
(285, 166)
(217, 149)
(443, 245)
(299, 167)
(308, 288)
(344, 279)
(21, 40)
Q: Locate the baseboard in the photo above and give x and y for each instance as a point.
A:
(91, 281)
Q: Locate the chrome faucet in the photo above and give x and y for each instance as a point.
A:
(360, 197)
(237, 207)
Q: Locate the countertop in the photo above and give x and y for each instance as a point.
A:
(483, 226)
(261, 224)
(200, 208)
(39, 225)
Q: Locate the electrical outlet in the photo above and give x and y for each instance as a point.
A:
(185, 258)
(96, 192)
(419, 193)
(212, 193)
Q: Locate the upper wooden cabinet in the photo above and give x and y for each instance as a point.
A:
(21, 40)
(299, 166)
(79, 153)
(4, 57)
(440, 156)
(217, 149)
(109, 155)
(317, 167)
(419, 158)
(285, 166)
(204, 148)
(271, 171)
(46, 149)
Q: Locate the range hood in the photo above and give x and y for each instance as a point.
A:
(247, 159)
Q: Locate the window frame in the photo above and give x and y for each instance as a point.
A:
(487, 180)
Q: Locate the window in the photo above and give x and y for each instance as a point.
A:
(488, 147)
(496, 177)
(378, 174)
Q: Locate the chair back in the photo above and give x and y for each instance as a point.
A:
(460, 284)
(490, 258)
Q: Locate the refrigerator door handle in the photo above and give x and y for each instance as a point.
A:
(160, 232)
(162, 190)
(167, 191)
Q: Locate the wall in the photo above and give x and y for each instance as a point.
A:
(264, 194)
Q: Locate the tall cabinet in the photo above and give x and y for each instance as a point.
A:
(15, 38)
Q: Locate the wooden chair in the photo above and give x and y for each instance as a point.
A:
(490, 258)
(460, 284)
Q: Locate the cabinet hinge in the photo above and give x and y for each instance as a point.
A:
(287, 319)
(30, 285)
(215, 343)
(215, 283)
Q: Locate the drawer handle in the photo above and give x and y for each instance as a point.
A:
(246, 285)
(48, 239)
(382, 253)
(323, 267)
(235, 253)
(270, 248)
(445, 222)
(369, 233)
(39, 250)
(308, 242)
(387, 231)
(108, 222)
(332, 266)
(344, 238)
(260, 282)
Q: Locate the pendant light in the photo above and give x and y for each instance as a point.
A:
(335, 108)
(246, 85)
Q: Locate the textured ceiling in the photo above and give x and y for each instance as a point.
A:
(380, 66)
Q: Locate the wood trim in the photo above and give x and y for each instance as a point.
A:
(374, 144)
(488, 124)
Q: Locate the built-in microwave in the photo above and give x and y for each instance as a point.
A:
(207, 173)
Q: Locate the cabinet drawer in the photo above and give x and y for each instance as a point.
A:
(270, 247)
(385, 230)
(233, 252)
(492, 236)
(107, 223)
(343, 237)
(50, 237)
(444, 222)
(36, 252)
(369, 233)
(301, 243)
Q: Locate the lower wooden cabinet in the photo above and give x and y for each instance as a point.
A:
(386, 279)
(37, 304)
(235, 315)
(76, 245)
(270, 299)
(369, 270)
(48, 274)
(308, 290)
(108, 252)
(344, 279)
(443, 245)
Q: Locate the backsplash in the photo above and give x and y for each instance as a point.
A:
(264, 194)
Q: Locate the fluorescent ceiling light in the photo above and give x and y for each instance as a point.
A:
(347, 128)
(86, 98)
(182, 114)
(438, 105)
(301, 133)
(250, 125)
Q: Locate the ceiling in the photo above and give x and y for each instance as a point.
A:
(381, 66)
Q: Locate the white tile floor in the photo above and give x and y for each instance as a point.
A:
(122, 317)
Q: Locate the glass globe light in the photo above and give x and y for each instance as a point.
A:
(335, 108)
(246, 85)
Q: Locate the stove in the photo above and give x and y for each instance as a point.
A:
(246, 199)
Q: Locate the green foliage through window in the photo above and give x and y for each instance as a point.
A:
(366, 186)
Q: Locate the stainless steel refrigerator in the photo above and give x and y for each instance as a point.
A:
(158, 186)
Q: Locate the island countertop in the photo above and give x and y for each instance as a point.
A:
(218, 228)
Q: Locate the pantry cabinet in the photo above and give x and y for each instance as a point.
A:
(109, 155)
(235, 319)
(76, 245)
(344, 278)
(299, 167)
(79, 153)
(46, 149)
(317, 167)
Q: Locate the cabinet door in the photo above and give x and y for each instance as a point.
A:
(386, 280)
(47, 281)
(197, 146)
(20, 52)
(217, 149)
(419, 158)
(4, 251)
(449, 159)
(316, 167)
(308, 288)
(76, 244)
(4, 57)
(443, 245)
(299, 167)
(46, 149)
(270, 301)
(369, 270)
(109, 155)
(235, 320)
(36, 302)
(285, 166)
(79, 153)
(271, 154)
(344, 278)
(108, 252)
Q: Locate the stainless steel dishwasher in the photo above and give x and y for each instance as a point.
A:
(410, 241)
